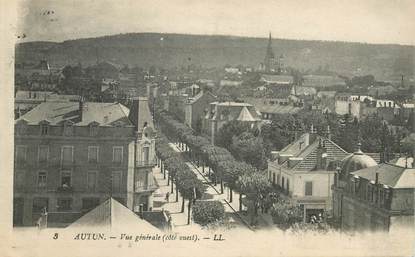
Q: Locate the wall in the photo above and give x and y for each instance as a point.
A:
(79, 167)
(321, 183)
(359, 216)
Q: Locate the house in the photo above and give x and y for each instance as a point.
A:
(219, 113)
(356, 106)
(304, 170)
(374, 197)
(271, 107)
(196, 107)
(71, 156)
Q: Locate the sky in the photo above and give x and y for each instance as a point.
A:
(370, 21)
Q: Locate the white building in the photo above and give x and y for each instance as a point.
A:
(305, 170)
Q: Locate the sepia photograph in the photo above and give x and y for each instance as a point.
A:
(208, 128)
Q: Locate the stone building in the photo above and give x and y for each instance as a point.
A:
(373, 197)
(219, 113)
(195, 109)
(71, 156)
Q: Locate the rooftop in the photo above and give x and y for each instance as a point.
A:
(278, 79)
(57, 112)
(113, 215)
(306, 148)
(391, 175)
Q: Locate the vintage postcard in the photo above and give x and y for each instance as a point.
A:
(207, 128)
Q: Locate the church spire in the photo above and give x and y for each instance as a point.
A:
(269, 56)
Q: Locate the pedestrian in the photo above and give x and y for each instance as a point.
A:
(320, 218)
(169, 223)
(167, 196)
(313, 219)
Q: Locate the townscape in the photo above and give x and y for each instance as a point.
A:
(233, 146)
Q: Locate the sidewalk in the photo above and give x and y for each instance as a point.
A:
(232, 208)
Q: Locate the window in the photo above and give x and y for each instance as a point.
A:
(19, 178)
(116, 181)
(40, 205)
(308, 188)
(64, 204)
(66, 178)
(42, 179)
(68, 129)
(368, 192)
(44, 129)
(146, 153)
(43, 153)
(67, 154)
(89, 203)
(93, 154)
(117, 154)
(92, 180)
(93, 130)
(21, 153)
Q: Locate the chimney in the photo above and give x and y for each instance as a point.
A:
(377, 178)
(321, 156)
(328, 132)
(313, 134)
(81, 107)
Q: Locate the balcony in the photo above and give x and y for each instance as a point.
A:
(150, 185)
(148, 163)
(64, 189)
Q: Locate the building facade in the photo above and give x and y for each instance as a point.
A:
(219, 113)
(70, 157)
(195, 109)
(376, 198)
(305, 170)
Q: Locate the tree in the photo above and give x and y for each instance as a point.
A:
(255, 186)
(208, 212)
(232, 171)
(228, 130)
(191, 188)
(250, 149)
(285, 214)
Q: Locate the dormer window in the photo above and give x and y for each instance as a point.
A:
(68, 128)
(21, 127)
(44, 129)
(93, 129)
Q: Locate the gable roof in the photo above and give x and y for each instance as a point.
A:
(114, 216)
(245, 115)
(308, 154)
(233, 111)
(391, 175)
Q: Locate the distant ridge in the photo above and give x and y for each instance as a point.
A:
(146, 49)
